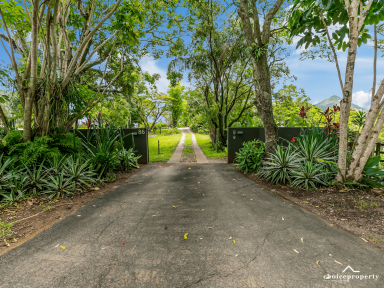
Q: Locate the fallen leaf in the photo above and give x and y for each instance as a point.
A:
(337, 262)
(122, 243)
(62, 247)
(343, 219)
(201, 238)
(189, 168)
(78, 215)
(103, 248)
(230, 238)
(174, 206)
(302, 239)
(186, 234)
(317, 262)
(211, 227)
(282, 218)
(305, 201)
(364, 240)
(296, 251)
(234, 241)
(57, 245)
(203, 194)
(95, 188)
(236, 255)
(202, 209)
(251, 199)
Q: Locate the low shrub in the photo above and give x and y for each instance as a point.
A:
(250, 156)
(171, 131)
(203, 131)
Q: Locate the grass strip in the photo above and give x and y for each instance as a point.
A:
(206, 146)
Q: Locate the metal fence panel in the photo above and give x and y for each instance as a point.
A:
(140, 136)
(237, 136)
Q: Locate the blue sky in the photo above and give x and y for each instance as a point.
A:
(317, 77)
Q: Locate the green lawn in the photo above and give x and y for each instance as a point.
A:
(167, 146)
(205, 144)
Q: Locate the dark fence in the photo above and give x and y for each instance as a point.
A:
(237, 136)
(379, 150)
(140, 137)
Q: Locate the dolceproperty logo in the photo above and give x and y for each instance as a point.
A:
(348, 274)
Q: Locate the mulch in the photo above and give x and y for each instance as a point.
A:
(360, 211)
(36, 214)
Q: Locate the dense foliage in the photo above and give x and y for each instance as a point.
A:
(61, 164)
(250, 156)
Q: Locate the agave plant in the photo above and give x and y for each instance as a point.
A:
(280, 165)
(309, 175)
(36, 175)
(5, 175)
(58, 185)
(18, 186)
(311, 148)
(101, 148)
(55, 164)
(77, 168)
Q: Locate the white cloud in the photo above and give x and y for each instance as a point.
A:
(361, 98)
(149, 65)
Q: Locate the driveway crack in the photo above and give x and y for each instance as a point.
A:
(259, 248)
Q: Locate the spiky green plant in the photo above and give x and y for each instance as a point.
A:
(80, 171)
(280, 165)
(58, 185)
(309, 176)
(309, 148)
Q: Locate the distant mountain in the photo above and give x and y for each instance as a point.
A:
(329, 102)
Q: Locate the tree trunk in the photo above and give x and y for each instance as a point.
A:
(263, 102)
(345, 103)
(4, 119)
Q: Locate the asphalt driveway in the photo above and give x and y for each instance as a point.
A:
(239, 235)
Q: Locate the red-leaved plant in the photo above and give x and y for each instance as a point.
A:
(331, 128)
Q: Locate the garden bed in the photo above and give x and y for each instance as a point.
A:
(40, 214)
(358, 211)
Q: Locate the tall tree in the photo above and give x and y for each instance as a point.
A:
(309, 19)
(175, 95)
(261, 20)
(218, 63)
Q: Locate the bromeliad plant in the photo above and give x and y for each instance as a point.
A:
(250, 156)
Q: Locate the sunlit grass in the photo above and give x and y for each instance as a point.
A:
(167, 146)
(205, 144)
